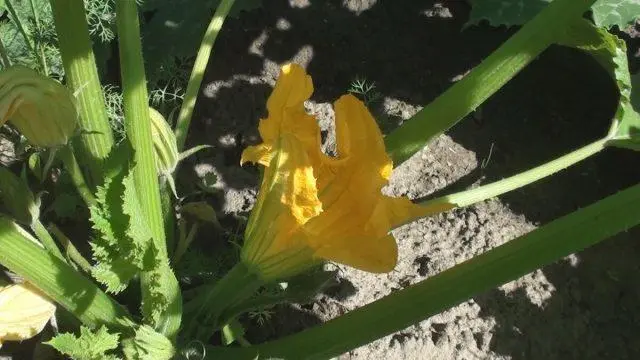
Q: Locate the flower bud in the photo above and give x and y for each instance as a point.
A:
(164, 143)
(166, 148)
(42, 109)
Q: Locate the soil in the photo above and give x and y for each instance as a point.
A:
(583, 307)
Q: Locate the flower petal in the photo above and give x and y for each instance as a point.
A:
(287, 117)
(293, 88)
(287, 199)
(286, 103)
(357, 133)
(260, 154)
(23, 312)
(376, 255)
(353, 228)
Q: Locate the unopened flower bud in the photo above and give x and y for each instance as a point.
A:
(166, 147)
(164, 143)
(42, 109)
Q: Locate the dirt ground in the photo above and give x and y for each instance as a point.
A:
(584, 307)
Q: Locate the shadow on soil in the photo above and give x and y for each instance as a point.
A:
(413, 51)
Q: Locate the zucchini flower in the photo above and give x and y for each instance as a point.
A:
(42, 109)
(23, 312)
(313, 207)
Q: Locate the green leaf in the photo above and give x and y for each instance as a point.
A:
(606, 48)
(611, 53)
(160, 290)
(88, 346)
(232, 332)
(630, 122)
(608, 13)
(626, 128)
(148, 345)
(123, 248)
(17, 199)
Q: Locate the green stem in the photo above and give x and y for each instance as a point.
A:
(70, 249)
(485, 79)
(47, 165)
(184, 242)
(136, 111)
(403, 308)
(43, 59)
(46, 239)
(472, 196)
(58, 280)
(168, 215)
(195, 80)
(96, 138)
(145, 173)
(72, 166)
(21, 28)
(3, 54)
(237, 285)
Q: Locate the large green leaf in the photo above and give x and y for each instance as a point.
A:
(608, 13)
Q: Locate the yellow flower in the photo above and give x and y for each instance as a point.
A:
(313, 207)
(23, 312)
